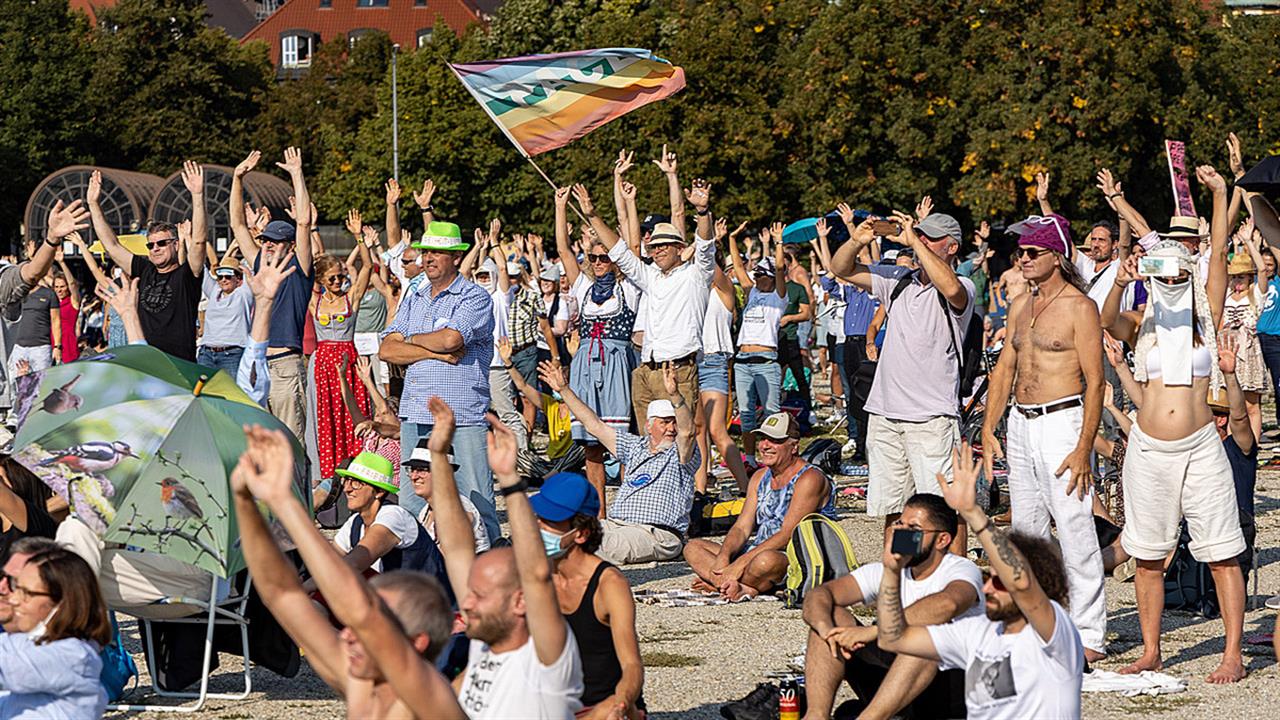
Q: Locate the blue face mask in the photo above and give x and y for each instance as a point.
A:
(551, 543)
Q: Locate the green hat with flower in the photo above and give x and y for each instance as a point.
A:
(441, 236)
(371, 468)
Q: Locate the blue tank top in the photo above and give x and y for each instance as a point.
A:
(772, 505)
(290, 309)
(1269, 318)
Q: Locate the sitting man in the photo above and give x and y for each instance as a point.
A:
(937, 587)
(651, 511)
(1025, 658)
(398, 622)
(784, 490)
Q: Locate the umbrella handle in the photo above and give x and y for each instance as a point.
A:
(200, 385)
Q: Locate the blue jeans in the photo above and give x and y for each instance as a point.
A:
(1271, 356)
(227, 360)
(757, 383)
(475, 480)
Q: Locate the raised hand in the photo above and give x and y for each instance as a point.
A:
(552, 374)
(627, 191)
(721, 229)
(260, 220)
(562, 197)
(865, 232)
(122, 298)
(983, 232)
(248, 164)
(623, 163)
(364, 368)
(355, 223)
(441, 439)
(822, 229)
(193, 177)
(423, 199)
(271, 273)
(1210, 178)
(1127, 272)
(923, 208)
(1228, 347)
(1042, 186)
(908, 235)
(64, 220)
(93, 194)
(1235, 162)
(392, 187)
(846, 213)
(1107, 184)
(369, 235)
(584, 199)
(292, 161)
(962, 492)
(699, 196)
(775, 231)
(495, 229)
(184, 232)
(667, 162)
(502, 452)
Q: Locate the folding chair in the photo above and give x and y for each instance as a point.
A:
(230, 612)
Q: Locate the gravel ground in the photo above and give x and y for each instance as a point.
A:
(698, 658)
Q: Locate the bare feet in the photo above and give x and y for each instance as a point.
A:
(735, 591)
(1230, 671)
(703, 586)
(1093, 656)
(1146, 662)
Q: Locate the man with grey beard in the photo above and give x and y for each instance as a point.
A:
(650, 515)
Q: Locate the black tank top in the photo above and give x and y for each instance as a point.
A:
(601, 670)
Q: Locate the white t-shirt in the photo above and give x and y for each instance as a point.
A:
(477, 524)
(952, 568)
(760, 318)
(394, 518)
(1014, 676)
(517, 685)
(562, 313)
(500, 305)
(1101, 287)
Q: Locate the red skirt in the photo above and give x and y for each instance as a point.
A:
(335, 431)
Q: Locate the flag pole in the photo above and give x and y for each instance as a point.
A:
(480, 101)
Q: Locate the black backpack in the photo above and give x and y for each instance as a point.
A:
(968, 353)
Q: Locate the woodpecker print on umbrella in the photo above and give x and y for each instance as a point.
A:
(142, 445)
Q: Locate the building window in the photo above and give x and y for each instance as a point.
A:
(371, 3)
(419, 3)
(326, 3)
(295, 51)
(355, 35)
(424, 36)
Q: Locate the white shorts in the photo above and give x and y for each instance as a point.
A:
(906, 458)
(1167, 480)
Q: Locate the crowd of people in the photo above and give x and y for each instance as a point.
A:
(428, 376)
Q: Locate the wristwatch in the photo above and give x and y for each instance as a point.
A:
(517, 488)
(52, 242)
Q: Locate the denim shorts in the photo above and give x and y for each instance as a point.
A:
(713, 373)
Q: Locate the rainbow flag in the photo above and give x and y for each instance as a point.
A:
(542, 102)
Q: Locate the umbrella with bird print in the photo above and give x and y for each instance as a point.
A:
(142, 445)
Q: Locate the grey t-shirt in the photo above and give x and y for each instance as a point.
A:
(918, 375)
(34, 326)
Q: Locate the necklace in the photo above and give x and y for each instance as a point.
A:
(1035, 314)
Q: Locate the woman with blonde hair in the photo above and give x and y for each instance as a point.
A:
(1246, 297)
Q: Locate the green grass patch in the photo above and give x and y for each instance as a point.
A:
(659, 658)
(664, 635)
(1145, 704)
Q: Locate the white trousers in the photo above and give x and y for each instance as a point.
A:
(1035, 449)
(906, 458)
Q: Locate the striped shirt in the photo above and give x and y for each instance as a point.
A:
(466, 308)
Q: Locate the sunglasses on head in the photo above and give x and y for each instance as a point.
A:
(599, 258)
(1032, 252)
(159, 244)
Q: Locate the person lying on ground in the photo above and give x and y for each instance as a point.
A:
(650, 514)
(784, 491)
(397, 620)
(1025, 658)
(937, 587)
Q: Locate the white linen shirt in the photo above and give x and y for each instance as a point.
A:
(679, 298)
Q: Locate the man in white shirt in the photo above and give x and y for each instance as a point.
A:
(674, 290)
(937, 587)
(1024, 659)
(1097, 264)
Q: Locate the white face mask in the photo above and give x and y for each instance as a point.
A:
(488, 285)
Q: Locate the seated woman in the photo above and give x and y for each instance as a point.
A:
(594, 596)
(51, 667)
(786, 489)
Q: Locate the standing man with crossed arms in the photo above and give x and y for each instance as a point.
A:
(1053, 367)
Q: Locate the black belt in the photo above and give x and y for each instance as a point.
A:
(222, 348)
(522, 348)
(755, 360)
(286, 353)
(689, 359)
(669, 529)
(1032, 412)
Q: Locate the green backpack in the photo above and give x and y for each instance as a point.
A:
(817, 552)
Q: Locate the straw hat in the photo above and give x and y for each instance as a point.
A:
(1241, 264)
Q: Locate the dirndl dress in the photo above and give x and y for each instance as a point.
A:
(600, 374)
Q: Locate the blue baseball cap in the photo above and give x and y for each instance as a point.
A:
(279, 231)
(564, 495)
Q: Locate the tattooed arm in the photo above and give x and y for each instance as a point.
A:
(895, 635)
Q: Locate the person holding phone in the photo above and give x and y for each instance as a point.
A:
(1052, 368)
(937, 587)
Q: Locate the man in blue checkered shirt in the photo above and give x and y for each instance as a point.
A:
(650, 514)
(443, 332)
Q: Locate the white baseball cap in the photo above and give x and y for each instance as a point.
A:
(661, 409)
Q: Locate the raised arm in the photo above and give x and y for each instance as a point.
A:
(302, 201)
(251, 374)
(120, 255)
(542, 611)
(939, 271)
(667, 164)
(553, 376)
(392, 187)
(699, 196)
(1042, 192)
(846, 263)
(423, 200)
(1220, 230)
(567, 256)
(735, 259)
(1238, 423)
(99, 277)
(453, 527)
(1115, 196)
(73, 287)
(124, 300)
(193, 178)
(1121, 325)
(620, 168)
(244, 238)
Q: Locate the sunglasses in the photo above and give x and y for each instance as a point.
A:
(995, 581)
(1032, 252)
(599, 258)
(159, 244)
(336, 278)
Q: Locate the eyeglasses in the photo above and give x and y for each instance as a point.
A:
(20, 593)
(599, 258)
(1032, 252)
(159, 244)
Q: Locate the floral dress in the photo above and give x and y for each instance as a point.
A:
(1240, 315)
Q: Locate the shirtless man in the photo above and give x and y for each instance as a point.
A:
(1012, 284)
(1053, 366)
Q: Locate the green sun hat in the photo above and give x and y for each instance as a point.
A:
(371, 468)
(441, 236)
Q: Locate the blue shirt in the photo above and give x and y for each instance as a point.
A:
(53, 681)
(289, 311)
(468, 309)
(860, 306)
(658, 489)
(1269, 319)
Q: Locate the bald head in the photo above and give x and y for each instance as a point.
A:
(497, 569)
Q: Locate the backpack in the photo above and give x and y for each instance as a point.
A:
(823, 454)
(969, 352)
(1188, 583)
(118, 666)
(817, 552)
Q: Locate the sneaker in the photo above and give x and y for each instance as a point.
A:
(849, 447)
(759, 704)
(1273, 602)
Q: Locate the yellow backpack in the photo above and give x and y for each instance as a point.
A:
(817, 552)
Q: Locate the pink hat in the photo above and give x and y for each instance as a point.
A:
(1051, 232)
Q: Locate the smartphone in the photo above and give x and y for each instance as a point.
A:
(886, 228)
(907, 542)
(1158, 266)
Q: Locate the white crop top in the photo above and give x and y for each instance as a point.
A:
(1201, 362)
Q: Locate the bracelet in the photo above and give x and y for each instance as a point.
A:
(978, 532)
(517, 488)
(703, 212)
(428, 207)
(52, 242)
(1113, 196)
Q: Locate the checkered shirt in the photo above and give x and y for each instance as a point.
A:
(522, 319)
(657, 489)
(467, 308)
